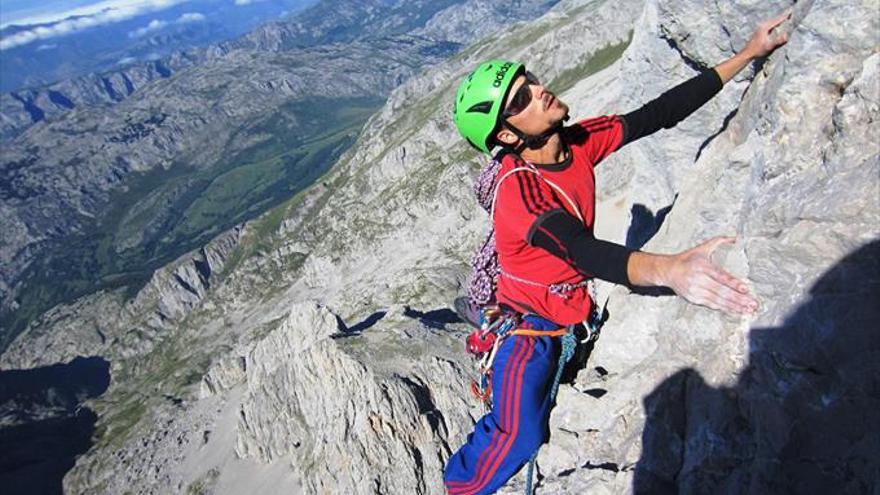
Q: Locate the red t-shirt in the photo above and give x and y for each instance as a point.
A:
(523, 198)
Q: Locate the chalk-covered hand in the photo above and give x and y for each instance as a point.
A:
(693, 276)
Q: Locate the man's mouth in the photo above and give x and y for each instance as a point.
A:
(549, 100)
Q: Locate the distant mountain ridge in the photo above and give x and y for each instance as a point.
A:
(52, 48)
(323, 23)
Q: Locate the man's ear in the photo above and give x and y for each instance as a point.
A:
(505, 137)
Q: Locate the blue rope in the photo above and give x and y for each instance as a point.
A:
(569, 342)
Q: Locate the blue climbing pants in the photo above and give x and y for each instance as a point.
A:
(504, 439)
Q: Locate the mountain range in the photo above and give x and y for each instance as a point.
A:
(138, 166)
(42, 50)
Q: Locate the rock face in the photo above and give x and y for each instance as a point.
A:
(695, 402)
(325, 358)
(359, 414)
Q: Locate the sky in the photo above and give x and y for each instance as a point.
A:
(23, 12)
(55, 16)
(46, 41)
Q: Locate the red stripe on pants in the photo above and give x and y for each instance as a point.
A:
(512, 424)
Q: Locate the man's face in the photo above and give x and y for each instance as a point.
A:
(536, 109)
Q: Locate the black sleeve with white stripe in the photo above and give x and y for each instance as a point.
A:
(565, 237)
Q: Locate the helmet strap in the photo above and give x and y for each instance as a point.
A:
(533, 141)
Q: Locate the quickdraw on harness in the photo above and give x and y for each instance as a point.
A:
(496, 325)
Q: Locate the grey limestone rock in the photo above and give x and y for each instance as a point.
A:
(111, 324)
(693, 401)
(362, 413)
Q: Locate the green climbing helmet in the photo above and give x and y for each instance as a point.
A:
(480, 100)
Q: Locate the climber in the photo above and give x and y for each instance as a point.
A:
(539, 190)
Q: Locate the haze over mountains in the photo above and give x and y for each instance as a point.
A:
(72, 40)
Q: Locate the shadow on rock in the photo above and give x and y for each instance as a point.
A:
(437, 319)
(582, 352)
(802, 419)
(645, 224)
(363, 325)
(43, 427)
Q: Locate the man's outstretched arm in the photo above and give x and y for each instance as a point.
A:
(691, 274)
(678, 103)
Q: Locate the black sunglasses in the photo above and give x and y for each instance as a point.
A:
(523, 96)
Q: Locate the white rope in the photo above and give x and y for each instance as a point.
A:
(524, 281)
(531, 169)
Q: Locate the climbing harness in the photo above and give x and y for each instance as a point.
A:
(495, 326)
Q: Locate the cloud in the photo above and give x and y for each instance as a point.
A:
(46, 47)
(190, 17)
(156, 24)
(242, 3)
(82, 18)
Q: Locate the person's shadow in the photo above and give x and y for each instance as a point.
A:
(803, 419)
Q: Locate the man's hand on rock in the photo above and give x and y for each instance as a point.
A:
(764, 40)
(693, 276)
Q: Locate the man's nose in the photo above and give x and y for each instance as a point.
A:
(540, 90)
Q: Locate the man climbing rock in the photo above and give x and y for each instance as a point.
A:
(539, 191)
